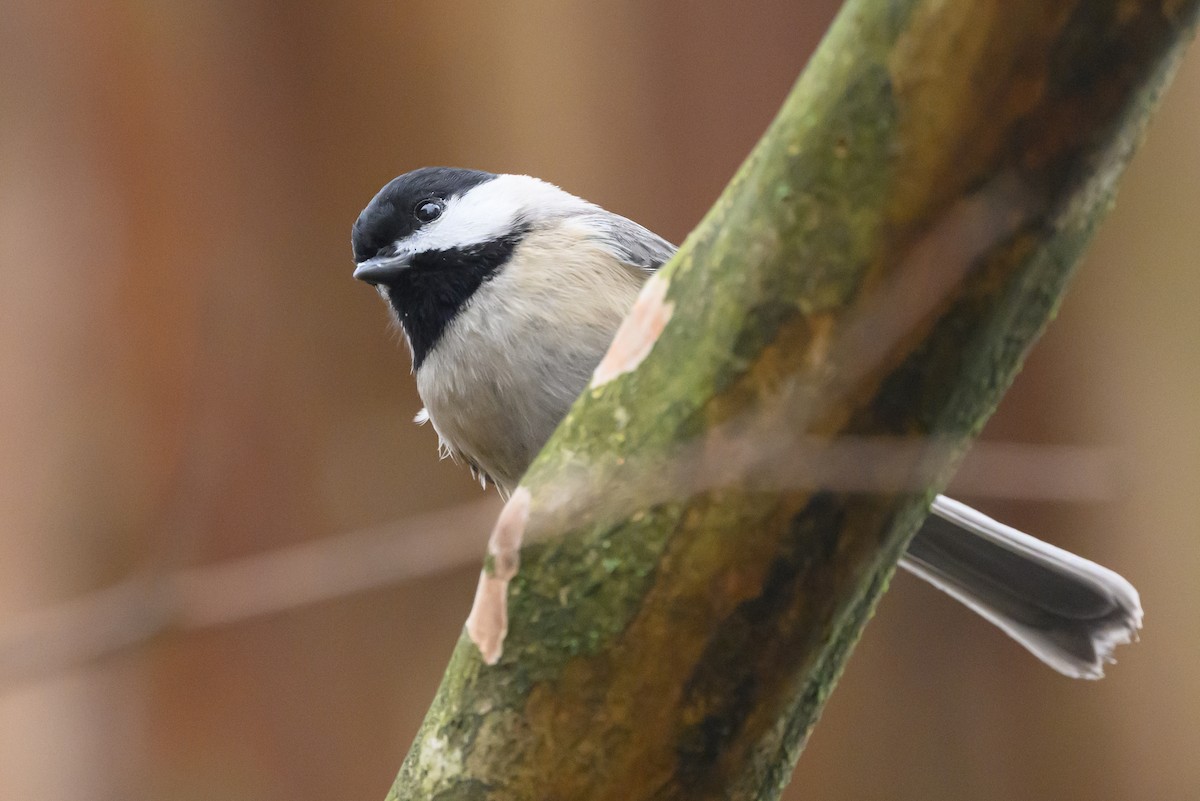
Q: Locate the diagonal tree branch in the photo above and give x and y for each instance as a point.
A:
(661, 615)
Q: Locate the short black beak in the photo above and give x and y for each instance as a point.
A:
(381, 269)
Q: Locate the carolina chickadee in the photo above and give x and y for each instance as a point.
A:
(509, 291)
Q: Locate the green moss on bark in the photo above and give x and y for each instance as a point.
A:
(878, 268)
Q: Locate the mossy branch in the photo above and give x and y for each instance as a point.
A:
(674, 590)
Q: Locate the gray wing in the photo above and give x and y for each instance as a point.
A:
(631, 243)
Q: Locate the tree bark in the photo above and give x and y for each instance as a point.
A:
(672, 593)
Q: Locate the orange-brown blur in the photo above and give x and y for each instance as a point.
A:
(189, 376)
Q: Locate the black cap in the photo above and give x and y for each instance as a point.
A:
(390, 216)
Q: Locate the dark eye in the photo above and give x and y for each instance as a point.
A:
(428, 210)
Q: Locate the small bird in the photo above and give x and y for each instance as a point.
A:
(509, 290)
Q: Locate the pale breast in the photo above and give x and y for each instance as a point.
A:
(508, 367)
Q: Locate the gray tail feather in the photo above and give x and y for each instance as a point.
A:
(1069, 612)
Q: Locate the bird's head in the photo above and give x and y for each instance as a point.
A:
(430, 238)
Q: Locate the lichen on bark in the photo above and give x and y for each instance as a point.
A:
(694, 574)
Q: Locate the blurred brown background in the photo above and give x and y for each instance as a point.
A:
(188, 375)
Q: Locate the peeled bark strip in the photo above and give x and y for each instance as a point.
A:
(697, 562)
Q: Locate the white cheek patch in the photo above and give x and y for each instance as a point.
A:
(487, 212)
(487, 625)
(638, 332)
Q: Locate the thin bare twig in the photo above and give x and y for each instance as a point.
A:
(107, 621)
(125, 615)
